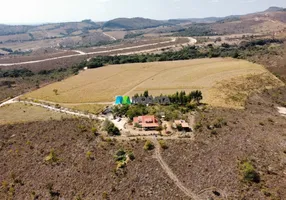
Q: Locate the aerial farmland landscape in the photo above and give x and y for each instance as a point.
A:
(174, 99)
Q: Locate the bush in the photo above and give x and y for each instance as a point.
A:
(163, 144)
(121, 158)
(120, 155)
(52, 157)
(219, 123)
(159, 128)
(89, 155)
(198, 126)
(213, 132)
(131, 156)
(94, 130)
(249, 173)
(179, 127)
(111, 128)
(137, 125)
(148, 145)
(105, 195)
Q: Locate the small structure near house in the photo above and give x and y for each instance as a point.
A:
(126, 100)
(120, 100)
(182, 123)
(107, 110)
(146, 122)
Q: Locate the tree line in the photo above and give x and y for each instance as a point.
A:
(241, 51)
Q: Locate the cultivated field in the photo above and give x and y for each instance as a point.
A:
(20, 113)
(207, 75)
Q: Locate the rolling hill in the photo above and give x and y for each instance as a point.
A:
(133, 23)
(45, 31)
(274, 9)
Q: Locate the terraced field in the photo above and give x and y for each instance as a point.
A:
(211, 76)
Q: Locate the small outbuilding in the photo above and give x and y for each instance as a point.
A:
(183, 124)
(126, 100)
(118, 100)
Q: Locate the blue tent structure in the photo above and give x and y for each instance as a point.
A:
(118, 100)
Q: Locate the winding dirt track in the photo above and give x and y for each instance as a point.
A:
(172, 176)
(192, 41)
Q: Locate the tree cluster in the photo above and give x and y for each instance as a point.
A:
(111, 128)
(182, 98)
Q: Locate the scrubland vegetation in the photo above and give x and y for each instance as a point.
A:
(231, 153)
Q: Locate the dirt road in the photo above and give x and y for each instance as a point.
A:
(169, 172)
(113, 38)
(192, 41)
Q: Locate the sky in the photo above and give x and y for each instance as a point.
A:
(47, 11)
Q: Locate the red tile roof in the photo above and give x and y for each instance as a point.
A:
(147, 121)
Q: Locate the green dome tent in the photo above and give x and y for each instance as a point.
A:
(126, 100)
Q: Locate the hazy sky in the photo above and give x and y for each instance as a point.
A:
(39, 11)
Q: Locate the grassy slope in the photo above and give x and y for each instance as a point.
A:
(103, 84)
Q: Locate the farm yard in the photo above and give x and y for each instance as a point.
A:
(207, 75)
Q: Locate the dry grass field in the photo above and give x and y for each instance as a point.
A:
(89, 108)
(20, 113)
(207, 75)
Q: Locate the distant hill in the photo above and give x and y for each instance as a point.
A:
(196, 20)
(204, 20)
(273, 19)
(11, 30)
(50, 30)
(133, 23)
(274, 9)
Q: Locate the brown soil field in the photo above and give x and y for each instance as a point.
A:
(177, 43)
(256, 133)
(127, 43)
(207, 75)
(75, 175)
(117, 34)
(209, 165)
(48, 65)
(15, 59)
(67, 62)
